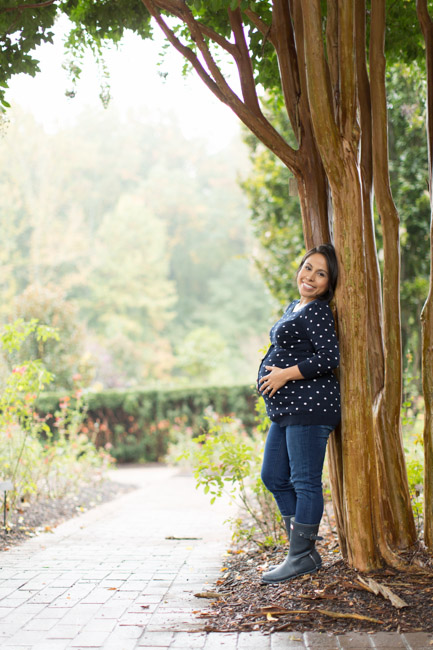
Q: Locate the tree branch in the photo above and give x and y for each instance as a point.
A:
(243, 63)
(20, 8)
(263, 27)
(321, 105)
(183, 49)
(215, 81)
(220, 40)
(314, 189)
(284, 43)
(179, 9)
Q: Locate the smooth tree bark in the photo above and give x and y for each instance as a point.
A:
(338, 114)
(426, 24)
(388, 399)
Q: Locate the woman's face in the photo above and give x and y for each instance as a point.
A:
(313, 278)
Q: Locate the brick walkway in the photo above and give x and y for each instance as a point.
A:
(113, 579)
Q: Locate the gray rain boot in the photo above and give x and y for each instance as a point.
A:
(287, 522)
(302, 558)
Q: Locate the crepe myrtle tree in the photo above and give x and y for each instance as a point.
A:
(324, 62)
(426, 23)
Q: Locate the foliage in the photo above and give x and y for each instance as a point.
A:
(63, 353)
(20, 32)
(227, 461)
(202, 353)
(136, 424)
(145, 232)
(415, 472)
(39, 461)
(413, 414)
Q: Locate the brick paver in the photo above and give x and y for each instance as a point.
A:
(123, 577)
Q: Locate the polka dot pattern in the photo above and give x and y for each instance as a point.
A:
(306, 338)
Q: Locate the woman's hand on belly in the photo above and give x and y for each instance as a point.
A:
(277, 377)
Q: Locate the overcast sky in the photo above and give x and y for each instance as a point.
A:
(135, 84)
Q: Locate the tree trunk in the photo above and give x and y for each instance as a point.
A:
(427, 312)
(375, 355)
(368, 529)
(313, 195)
(359, 474)
(427, 384)
(397, 506)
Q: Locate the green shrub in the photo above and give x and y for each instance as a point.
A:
(226, 460)
(37, 459)
(415, 472)
(137, 425)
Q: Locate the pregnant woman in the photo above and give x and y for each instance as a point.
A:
(302, 397)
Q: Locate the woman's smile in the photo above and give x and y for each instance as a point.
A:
(313, 278)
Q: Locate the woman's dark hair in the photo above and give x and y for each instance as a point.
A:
(328, 251)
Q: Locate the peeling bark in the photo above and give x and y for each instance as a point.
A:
(427, 312)
(401, 526)
(375, 348)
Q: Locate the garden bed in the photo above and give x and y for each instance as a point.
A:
(42, 515)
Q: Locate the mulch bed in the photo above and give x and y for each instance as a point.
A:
(332, 600)
(32, 518)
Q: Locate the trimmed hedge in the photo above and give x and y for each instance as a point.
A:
(137, 422)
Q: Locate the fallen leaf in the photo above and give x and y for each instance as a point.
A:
(378, 588)
(207, 594)
(171, 537)
(111, 588)
(270, 617)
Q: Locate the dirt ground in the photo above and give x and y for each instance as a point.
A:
(336, 598)
(34, 517)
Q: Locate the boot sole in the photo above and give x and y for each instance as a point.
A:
(298, 575)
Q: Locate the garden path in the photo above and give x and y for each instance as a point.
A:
(123, 577)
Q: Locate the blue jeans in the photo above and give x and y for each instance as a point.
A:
(292, 469)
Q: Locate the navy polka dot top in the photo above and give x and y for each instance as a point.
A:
(305, 338)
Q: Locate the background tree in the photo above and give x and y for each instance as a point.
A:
(66, 354)
(143, 232)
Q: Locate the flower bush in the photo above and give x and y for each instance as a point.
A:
(39, 460)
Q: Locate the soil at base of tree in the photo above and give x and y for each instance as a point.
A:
(332, 600)
(42, 515)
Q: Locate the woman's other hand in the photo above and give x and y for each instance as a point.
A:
(278, 377)
(274, 380)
